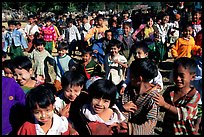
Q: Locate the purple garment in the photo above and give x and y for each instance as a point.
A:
(12, 94)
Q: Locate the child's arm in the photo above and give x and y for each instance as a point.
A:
(174, 49)
(183, 112)
(89, 34)
(125, 65)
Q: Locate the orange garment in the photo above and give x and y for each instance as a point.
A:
(183, 47)
(95, 29)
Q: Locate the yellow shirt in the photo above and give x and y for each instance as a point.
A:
(183, 47)
(148, 31)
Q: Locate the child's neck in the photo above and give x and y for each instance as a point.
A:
(30, 83)
(45, 127)
(184, 90)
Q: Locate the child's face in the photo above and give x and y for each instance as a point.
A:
(188, 32)
(109, 36)
(18, 26)
(11, 27)
(8, 73)
(165, 19)
(150, 22)
(100, 22)
(44, 115)
(48, 23)
(22, 76)
(126, 29)
(99, 105)
(40, 47)
(86, 57)
(125, 16)
(114, 50)
(197, 16)
(182, 77)
(62, 52)
(140, 53)
(71, 93)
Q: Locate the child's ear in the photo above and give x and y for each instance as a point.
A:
(31, 71)
(193, 76)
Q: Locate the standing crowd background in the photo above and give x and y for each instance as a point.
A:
(70, 75)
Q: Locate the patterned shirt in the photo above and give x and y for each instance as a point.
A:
(141, 122)
(49, 33)
(187, 107)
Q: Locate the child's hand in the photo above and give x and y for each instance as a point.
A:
(159, 99)
(95, 51)
(130, 107)
(122, 90)
(65, 111)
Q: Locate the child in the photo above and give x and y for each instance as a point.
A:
(38, 57)
(22, 68)
(14, 41)
(114, 63)
(63, 63)
(40, 102)
(97, 31)
(7, 68)
(72, 35)
(141, 51)
(184, 45)
(91, 67)
(180, 102)
(19, 28)
(72, 83)
(138, 98)
(196, 24)
(49, 35)
(101, 107)
(127, 40)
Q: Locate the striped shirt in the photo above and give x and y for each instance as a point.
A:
(143, 121)
(187, 107)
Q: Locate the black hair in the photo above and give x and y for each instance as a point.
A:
(62, 45)
(127, 24)
(22, 62)
(18, 23)
(41, 95)
(72, 78)
(103, 88)
(69, 20)
(31, 16)
(8, 64)
(99, 16)
(85, 16)
(141, 45)
(48, 19)
(4, 54)
(108, 31)
(187, 63)
(115, 42)
(11, 22)
(144, 67)
(87, 50)
(39, 41)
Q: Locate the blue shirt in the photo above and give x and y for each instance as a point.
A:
(14, 38)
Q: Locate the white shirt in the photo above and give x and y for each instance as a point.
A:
(59, 126)
(32, 31)
(92, 116)
(73, 34)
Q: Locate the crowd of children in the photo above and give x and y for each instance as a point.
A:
(115, 87)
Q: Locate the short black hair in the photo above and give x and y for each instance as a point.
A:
(115, 42)
(144, 67)
(99, 16)
(87, 50)
(141, 45)
(8, 64)
(39, 41)
(22, 62)
(62, 45)
(127, 24)
(11, 22)
(18, 23)
(103, 88)
(187, 63)
(72, 78)
(41, 95)
(85, 16)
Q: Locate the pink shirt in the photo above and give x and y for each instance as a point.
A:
(49, 33)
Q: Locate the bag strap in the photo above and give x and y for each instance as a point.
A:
(60, 67)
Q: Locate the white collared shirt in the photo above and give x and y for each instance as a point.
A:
(59, 126)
